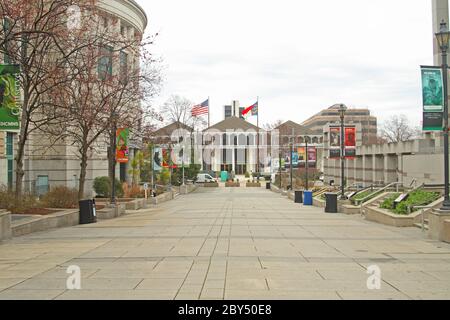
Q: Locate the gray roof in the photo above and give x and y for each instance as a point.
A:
(298, 129)
(233, 123)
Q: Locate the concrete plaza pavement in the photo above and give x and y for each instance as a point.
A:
(227, 244)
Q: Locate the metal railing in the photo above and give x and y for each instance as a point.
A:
(423, 210)
(360, 202)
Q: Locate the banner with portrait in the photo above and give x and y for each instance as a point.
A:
(157, 159)
(350, 142)
(335, 142)
(122, 151)
(433, 98)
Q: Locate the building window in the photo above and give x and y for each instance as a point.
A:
(228, 112)
(105, 62)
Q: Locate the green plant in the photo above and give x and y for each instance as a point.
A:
(388, 203)
(102, 187)
(415, 198)
(247, 175)
(137, 165)
(61, 197)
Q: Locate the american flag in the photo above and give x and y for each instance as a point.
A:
(200, 109)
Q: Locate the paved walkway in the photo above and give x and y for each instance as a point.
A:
(227, 244)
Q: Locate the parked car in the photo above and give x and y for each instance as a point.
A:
(205, 178)
(211, 173)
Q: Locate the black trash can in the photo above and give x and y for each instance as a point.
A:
(331, 203)
(298, 196)
(88, 212)
(268, 185)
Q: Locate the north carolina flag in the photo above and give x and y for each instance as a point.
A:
(253, 109)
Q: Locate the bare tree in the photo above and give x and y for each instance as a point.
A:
(397, 128)
(107, 86)
(179, 110)
(33, 35)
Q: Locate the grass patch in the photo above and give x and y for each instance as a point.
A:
(416, 198)
(362, 195)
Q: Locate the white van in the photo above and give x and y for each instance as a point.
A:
(204, 178)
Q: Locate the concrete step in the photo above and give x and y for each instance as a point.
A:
(419, 225)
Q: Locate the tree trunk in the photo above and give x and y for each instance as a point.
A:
(23, 137)
(83, 169)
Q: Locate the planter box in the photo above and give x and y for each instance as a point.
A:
(63, 219)
(111, 213)
(211, 185)
(439, 225)
(319, 203)
(163, 198)
(188, 188)
(136, 204)
(348, 209)
(253, 185)
(232, 184)
(5, 225)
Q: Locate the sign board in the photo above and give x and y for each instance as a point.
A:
(122, 151)
(146, 186)
(433, 98)
(401, 198)
(9, 98)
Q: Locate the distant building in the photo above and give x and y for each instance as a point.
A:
(233, 110)
(353, 116)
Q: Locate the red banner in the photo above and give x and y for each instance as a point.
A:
(350, 137)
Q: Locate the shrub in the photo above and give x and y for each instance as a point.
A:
(102, 187)
(247, 175)
(7, 201)
(134, 192)
(416, 198)
(61, 197)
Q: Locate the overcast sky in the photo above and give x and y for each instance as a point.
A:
(298, 56)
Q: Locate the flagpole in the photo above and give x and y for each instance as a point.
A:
(209, 112)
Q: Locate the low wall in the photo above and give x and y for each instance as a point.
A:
(167, 196)
(319, 203)
(188, 188)
(446, 231)
(5, 225)
(439, 225)
(388, 218)
(111, 213)
(136, 204)
(63, 219)
(349, 209)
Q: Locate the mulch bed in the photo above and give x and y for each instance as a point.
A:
(37, 211)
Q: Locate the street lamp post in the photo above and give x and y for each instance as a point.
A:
(342, 110)
(113, 154)
(443, 37)
(292, 159)
(306, 163)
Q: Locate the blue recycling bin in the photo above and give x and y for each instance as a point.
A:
(307, 198)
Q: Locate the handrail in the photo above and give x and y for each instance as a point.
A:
(361, 201)
(423, 208)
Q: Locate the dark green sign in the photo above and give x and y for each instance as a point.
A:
(9, 98)
(433, 98)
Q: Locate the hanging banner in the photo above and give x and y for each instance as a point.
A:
(157, 160)
(295, 159)
(302, 154)
(433, 98)
(122, 151)
(335, 143)
(350, 142)
(9, 98)
(312, 154)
